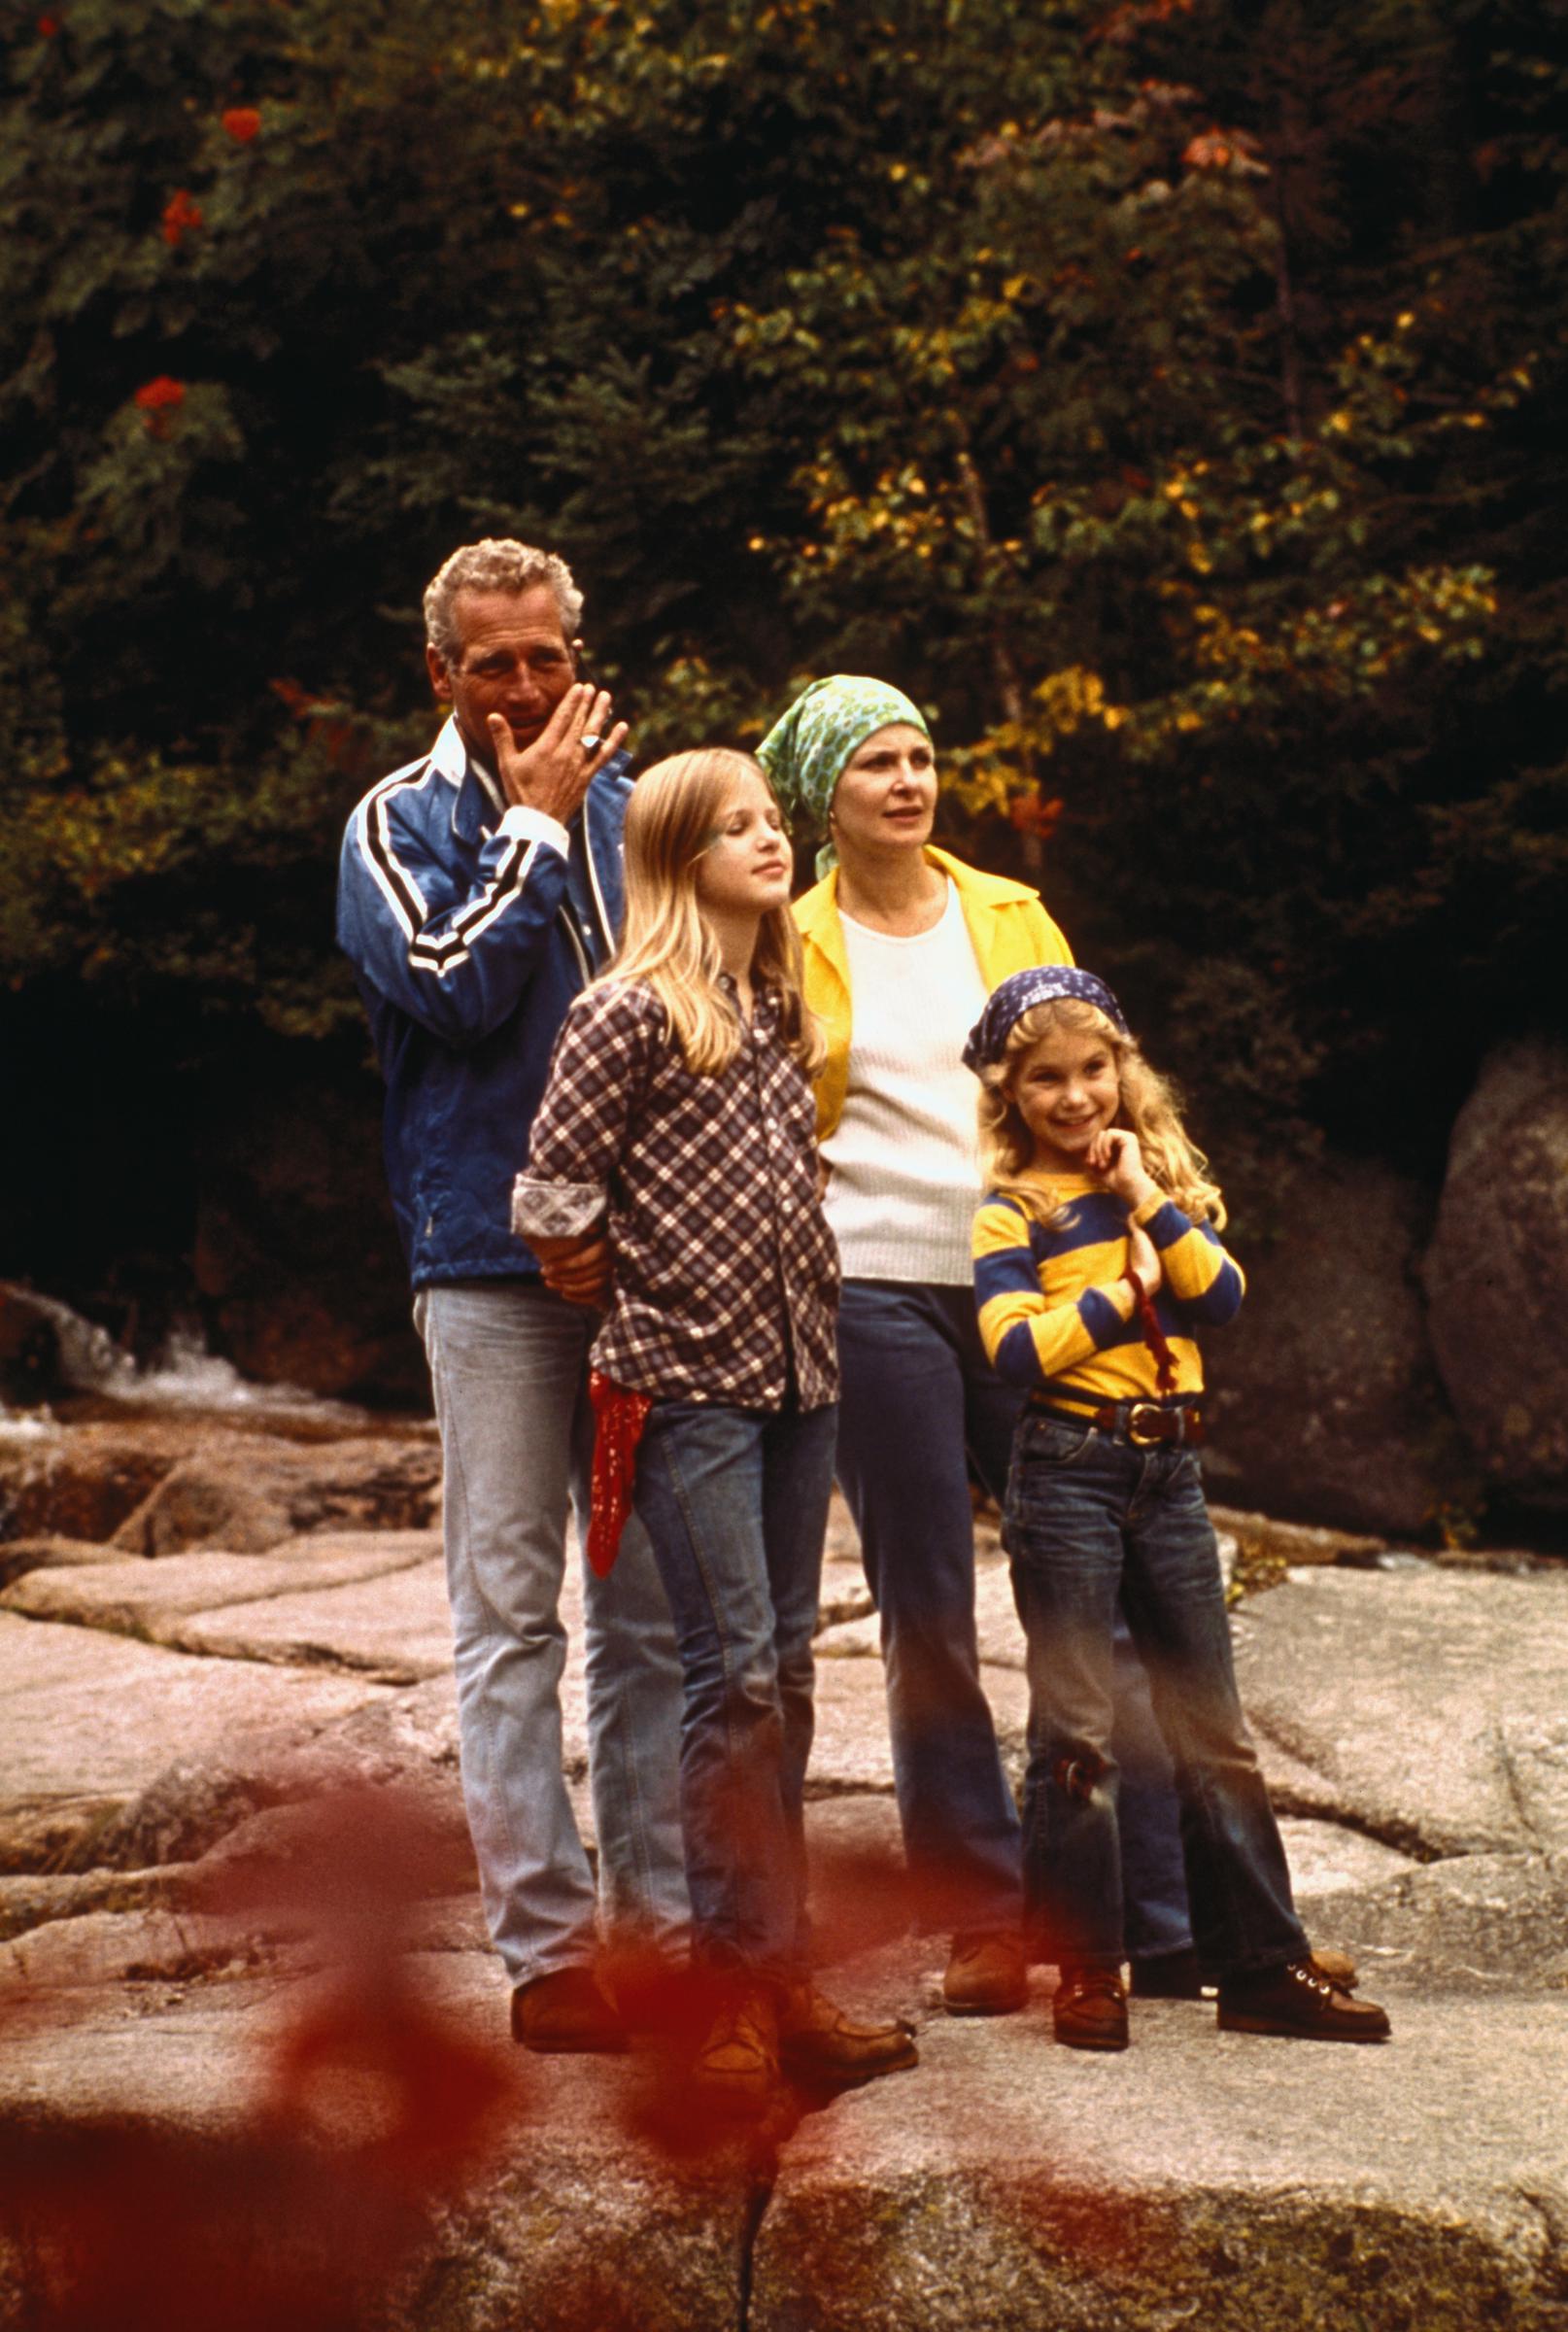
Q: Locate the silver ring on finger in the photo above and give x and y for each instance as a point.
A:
(590, 741)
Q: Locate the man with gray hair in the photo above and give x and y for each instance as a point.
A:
(479, 890)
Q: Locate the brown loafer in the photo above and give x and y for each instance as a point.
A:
(737, 2067)
(1089, 2009)
(819, 2042)
(987, 1975)
(567, 2013)
(1298, 2004)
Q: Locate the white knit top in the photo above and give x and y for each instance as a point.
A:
(904, 1183)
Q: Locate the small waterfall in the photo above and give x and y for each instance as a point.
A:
(181, 1375)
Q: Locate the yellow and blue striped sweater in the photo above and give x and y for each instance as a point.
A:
(1058, 1316)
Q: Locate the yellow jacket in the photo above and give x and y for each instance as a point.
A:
(1008, 926)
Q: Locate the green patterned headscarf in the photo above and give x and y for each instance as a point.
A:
(805, 750)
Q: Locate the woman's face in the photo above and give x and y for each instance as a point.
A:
(886, 795)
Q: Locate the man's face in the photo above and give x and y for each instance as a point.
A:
(513, 659)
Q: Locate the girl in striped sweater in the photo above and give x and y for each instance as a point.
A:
(1096, 1256)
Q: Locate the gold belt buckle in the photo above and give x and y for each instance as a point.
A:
(1138, 1433)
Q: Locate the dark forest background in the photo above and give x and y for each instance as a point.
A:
(1169, 394)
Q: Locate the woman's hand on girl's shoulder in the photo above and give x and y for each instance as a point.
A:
(1114, 1155)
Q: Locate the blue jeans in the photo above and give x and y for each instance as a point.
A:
(735, 1503)
(508, 1367)
(1153, 1868)
(920, 1404)
(1087, 1517)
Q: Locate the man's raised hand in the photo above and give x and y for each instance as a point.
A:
(554, 772)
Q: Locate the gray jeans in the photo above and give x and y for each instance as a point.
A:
(508, 1364)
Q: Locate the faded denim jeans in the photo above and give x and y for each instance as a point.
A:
(735, 1503)
(1089, 1517)
(508, 1364)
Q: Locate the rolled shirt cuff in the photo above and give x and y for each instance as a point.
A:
(555, 1210)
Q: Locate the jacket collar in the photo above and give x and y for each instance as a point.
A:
(476, 798)
(816, 906)
(817, 911)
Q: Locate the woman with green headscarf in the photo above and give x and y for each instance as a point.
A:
(902, 944)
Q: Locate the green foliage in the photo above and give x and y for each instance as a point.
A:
(1168, 394)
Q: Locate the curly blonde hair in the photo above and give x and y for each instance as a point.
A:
(669, 822)
(1148, 1109)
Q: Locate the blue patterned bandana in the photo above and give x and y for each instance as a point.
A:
(1045, 984)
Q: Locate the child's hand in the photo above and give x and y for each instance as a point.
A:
(1143, 1259)
(578, 1270)
(1115, 1155)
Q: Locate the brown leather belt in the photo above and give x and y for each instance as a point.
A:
(1141, 1422)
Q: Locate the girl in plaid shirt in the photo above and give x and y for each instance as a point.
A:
(678, 1125)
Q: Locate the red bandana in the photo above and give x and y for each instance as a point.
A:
(621, 1416)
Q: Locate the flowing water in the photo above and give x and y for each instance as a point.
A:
(181, 1377)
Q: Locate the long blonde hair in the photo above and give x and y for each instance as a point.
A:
(1149, 1107)
(669, 822)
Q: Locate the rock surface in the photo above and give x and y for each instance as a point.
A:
(1432, 1705)
(82, 1482)
(248, 1493)
(1014, 2185)
(1324, 1396)
(191, 1926)
(30, 1370)
(93, 1720)
(301, 1178)
(1497, 1272)
(52, 1551)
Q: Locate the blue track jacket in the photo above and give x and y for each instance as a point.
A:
(470, 931)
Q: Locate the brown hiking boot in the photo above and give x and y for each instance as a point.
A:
(567, 2013)
(1299, 2004)
(987, 1975)
(1090, 2009)
(737, 2067)
(819, 2042)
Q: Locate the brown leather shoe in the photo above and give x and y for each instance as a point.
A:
(1299, 2004)
(737, 2067)
(1089, 2009)
(567, 2013)
(819, 2042)
(987, 1975)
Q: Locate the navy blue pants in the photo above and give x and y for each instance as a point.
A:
(920, 1401)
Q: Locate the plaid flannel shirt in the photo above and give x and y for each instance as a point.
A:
(726, 1275)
